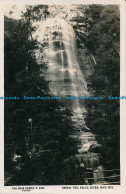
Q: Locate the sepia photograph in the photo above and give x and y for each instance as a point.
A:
(54, 56)
(62, 95)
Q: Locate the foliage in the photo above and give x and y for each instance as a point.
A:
(49, 131)
(103, 44)
(50, 134)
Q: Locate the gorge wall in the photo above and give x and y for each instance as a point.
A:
(69, 64)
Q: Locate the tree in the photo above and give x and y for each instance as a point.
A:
(103, 116)
(50, 131)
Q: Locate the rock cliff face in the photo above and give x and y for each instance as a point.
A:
(68, 65)
(75, 16)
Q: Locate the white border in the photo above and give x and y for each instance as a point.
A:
(118, 189)
(31, 2)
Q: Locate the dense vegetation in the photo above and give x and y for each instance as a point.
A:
(23, 76)
(103, 42)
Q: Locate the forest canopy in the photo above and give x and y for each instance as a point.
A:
(97, 32)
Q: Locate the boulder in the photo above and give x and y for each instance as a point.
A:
(85, 148)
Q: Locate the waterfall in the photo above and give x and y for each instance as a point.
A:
(58, 39)
(64, 71)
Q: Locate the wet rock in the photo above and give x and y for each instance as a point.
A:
(85, 148)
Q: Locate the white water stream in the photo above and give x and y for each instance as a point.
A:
(58, 39)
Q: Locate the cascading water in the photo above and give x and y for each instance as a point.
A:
(65, 75)
(58, 39)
